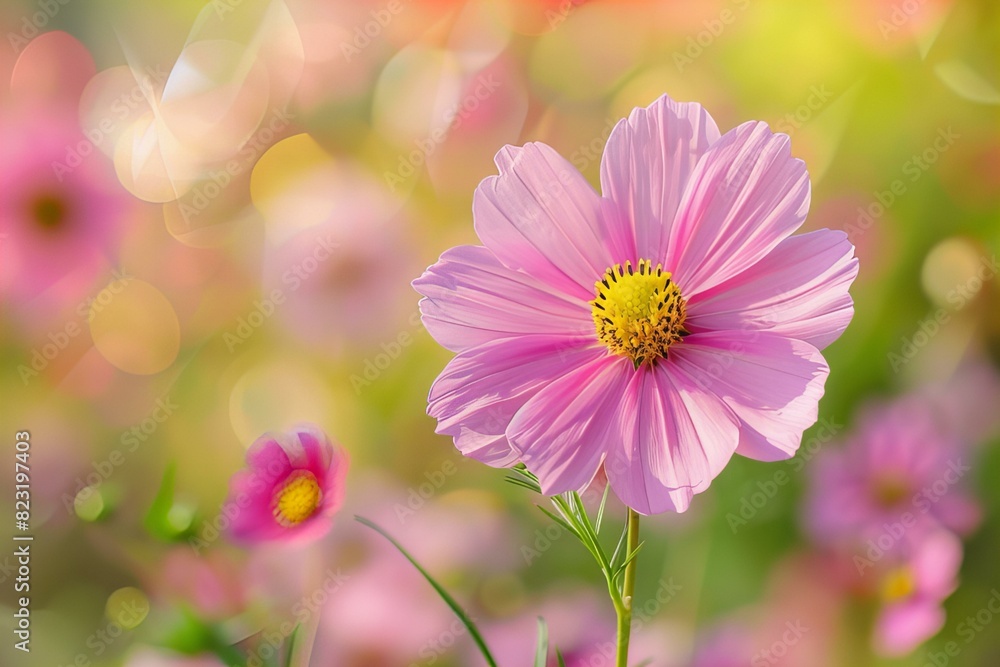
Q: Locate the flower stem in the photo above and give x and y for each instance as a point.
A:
(628, 589)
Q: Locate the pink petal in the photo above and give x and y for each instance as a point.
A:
(936, 563)
(745, 196)
(471, 298)
(773, 384)
(328, 464)
(479, 391)
(959, 511)
(310, 449)
(648, 161)
(799, 290)
(248, 507)
(563, 431)
(540, 216)
(677, 439)
(268, 457)
(901, 628)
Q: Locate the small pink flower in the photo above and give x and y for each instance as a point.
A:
(653, 330)
(912, 592)
(293, 484)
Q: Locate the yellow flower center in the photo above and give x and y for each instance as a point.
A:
(49, 212)
(890, 490)
(898, 584)
(639, 311)
(298, 498)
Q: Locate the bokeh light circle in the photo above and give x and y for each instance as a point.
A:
(137, 329)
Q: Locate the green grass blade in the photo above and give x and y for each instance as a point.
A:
(449, 600)
(542, 650)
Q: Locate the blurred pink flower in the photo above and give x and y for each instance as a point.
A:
(61, 207)
(208, 583)
(563, 320)
(578, 623)
(901, 469)
(912, 592)
(330, 273)
(292, 487)
(59, 216)
(794, 623)
(446, 531)
(384, 614)
(728, 645)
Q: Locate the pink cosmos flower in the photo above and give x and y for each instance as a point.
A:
(912, 590)
(292, 486)
(61, 208)
(55, 221)
(655, 330)
(903, 466)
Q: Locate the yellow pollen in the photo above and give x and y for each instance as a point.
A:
(298, 498)
(898, 584)
(639, 311)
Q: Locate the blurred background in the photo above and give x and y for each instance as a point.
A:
(209, 218)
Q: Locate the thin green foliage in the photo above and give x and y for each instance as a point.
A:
(449, 600)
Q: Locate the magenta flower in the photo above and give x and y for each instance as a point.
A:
(901, 470)
(293, 484)
(655, 330)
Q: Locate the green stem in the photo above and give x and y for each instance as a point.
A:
(628, 589)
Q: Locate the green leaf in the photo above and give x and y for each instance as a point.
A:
(542, 650)
(290, 644)
(561, 521)
(618, 547)
(631, 557)
(600, 510)
(190, 635)
(521, 477)
(449, 600)
(572, 506)
(165, 519)
(560, 658)
(516, 481)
